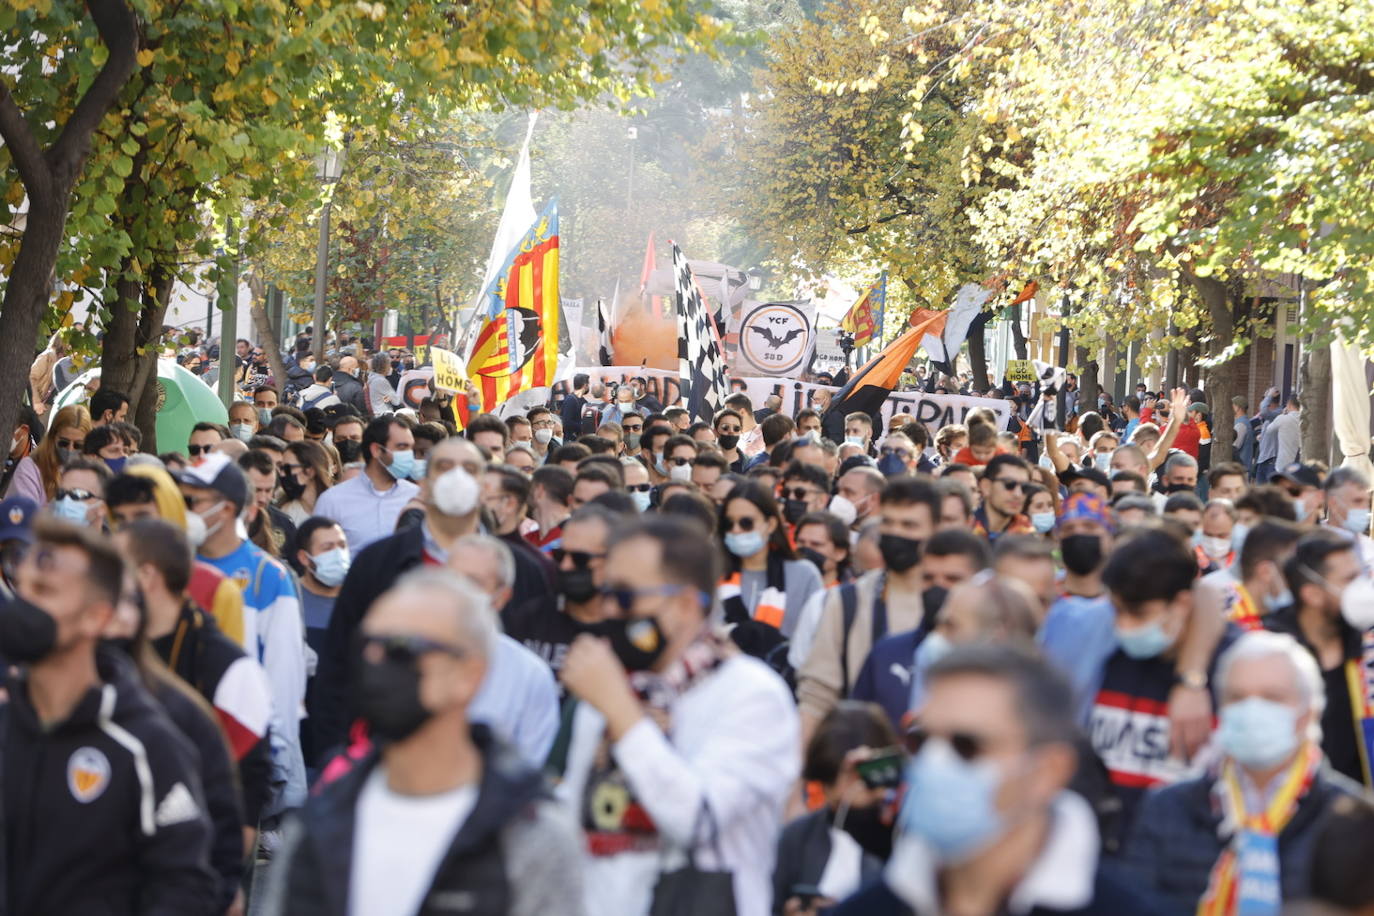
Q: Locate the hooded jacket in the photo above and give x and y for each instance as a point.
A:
(514, 855)
(103, 813)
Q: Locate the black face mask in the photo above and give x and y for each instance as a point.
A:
(816, 560)
(793, 510)
(637, 641)
(576, 585)
(27, 632)
(727, 442)
(349, 451)
(389, 699)
(932, 599)
(1178, 488)
(1082, 553)
(291, 487)
(899, 553)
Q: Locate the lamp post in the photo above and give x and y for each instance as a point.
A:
(329, 169)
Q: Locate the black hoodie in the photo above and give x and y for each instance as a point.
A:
(103, 813)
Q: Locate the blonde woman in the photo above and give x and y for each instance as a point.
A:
(65, 439)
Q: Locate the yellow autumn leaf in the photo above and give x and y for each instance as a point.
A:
(145, 58)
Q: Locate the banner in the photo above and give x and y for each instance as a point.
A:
(776, 338)
(661, 383)
(415, 385)
(934, 410)
(1020, 370)
(449, 374)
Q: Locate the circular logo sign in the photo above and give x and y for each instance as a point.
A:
(775, 337)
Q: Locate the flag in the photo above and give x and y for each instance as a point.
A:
(862, 318)
(866, 391)
(516, 218)
(604, 323)
(515, 345)
(650, 263)
(701, 365)
(965, 317)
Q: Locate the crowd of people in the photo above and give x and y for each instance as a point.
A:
(343, 655)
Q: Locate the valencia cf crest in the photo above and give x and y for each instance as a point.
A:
(88, 773)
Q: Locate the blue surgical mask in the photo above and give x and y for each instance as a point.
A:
(418, 468)
(1238, 536)
(264, 415)
(659, 465)
(1144, 642)
(1357, 521)
(1197, 537)
(116, 465)
(951, 803)
(744, 543)
(641, 498)
(402, 463)
(331, 566)
(891, 465)
(241, 431)
(1300, 508)
(1277, 602)
(1043, 522)
(855, 440)
(1258, 733)
(70, 510)
(933, 648)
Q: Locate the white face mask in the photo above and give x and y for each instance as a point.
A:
(454, 493)
(681, 472)
(843, 509)
(208, 528)
(543, 436)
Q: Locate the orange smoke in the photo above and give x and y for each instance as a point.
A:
(639, 337)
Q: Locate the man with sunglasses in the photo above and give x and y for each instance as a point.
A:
(438, 815)
(805, 489)
(695, 747)
(80, 494)
(203, 439)
(1003, 490)
(988, 823)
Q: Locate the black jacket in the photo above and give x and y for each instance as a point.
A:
(350, 391)
(571, 415)
(803, 851)
(316, 862)
(103, 813)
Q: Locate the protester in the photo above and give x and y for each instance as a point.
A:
(368, 506)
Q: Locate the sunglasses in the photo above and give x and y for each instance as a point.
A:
(625, 598)
(406, 649)
(797, 493)
(639, 487)
(967, 745)
(633, 429)
(198, 450)
(78, 495)
(288, 468)
(680, 461)
(742, 524)
(1014, 486)
(581, 559)
(899, 452)
(73, 444)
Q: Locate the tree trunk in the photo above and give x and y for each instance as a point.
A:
(1314, 392)
(133, 343)
(1218, 298)
(267, 337)
(1018, 334)
(26, 296)
(978, 362)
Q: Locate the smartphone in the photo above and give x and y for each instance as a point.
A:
(883, 770)
(807, 893)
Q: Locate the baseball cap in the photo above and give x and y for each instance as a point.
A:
(1304, 475)
(16, 519)
(1199, 407)
(1086, 505)
(1075, 472)
(219, 473)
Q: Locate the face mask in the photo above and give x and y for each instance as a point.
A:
(308, 367)
(264, 416)
(641, 499)
(1357, 521)
(637, 641)
(418, 468)
(891, 465)
(389, 699)
(933, 648)
(545, 436)
(1300, 509)
(727, 442)
(402, 463)
(793, 510)
(1238, 535)
(27, 632)
(950, 802)
(207, 528)
(745, 543)
(331, 566)
(1215, 548)
(1144, 642)
(855, 440)
(1178, 488)
(899, 553)
(292, 488)
(659, 465)
(813, 557)
(454, 493)
(195, 530)
(241, 431)
(1043, 522)
(1276, 602)
(1357, 603)
(1258, 733)
(1082, 553)
(680, 472)
(70, 510)
(843, 509)
(116, 465)
(576, 585)
(63, 456)
(1196, 538)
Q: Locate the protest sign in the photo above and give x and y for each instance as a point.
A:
(775, 338)
(448, 370)
(663, 384)
(1020, 370)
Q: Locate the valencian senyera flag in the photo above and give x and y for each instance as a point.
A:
(516, 343)
(864, 318)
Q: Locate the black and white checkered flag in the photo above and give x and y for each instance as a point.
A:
(605, 350)
(701, 365)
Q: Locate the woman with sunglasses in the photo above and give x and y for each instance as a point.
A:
(66, 439)
(765, 584)
(304, 474)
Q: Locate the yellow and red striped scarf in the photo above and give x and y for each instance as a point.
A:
(1255, 842)
(1359, 680)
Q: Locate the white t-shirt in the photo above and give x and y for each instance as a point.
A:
(398, 843)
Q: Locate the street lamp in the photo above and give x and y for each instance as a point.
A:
(328, 169)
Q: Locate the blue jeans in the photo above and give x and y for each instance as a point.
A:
(1264, 471)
